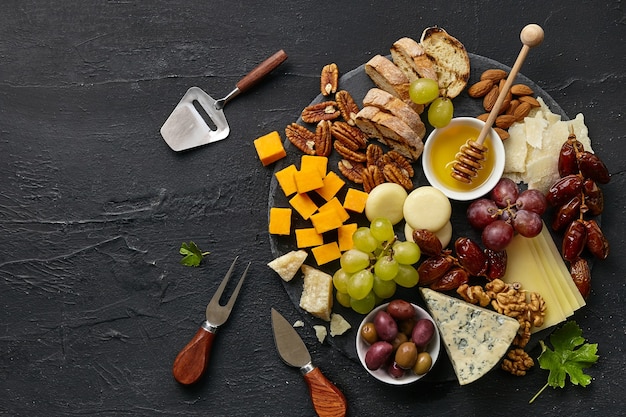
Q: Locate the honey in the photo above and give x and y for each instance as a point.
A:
(442, 157)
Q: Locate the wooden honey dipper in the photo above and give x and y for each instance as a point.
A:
(468, 159)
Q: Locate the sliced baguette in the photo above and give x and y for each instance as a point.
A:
(412, 59)
(388, 77)
(384, 101)
(391, 131)
(450, 59)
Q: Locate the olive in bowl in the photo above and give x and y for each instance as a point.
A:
(398, 342)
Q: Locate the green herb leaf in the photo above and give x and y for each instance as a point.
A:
(570, 356)
(192, 255)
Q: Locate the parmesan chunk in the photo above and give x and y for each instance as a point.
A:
(338, 325)
(317, 293)
(287, 265)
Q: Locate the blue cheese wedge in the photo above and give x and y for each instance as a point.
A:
(475, 338)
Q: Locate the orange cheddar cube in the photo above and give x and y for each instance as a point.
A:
(326, 253)
(314, 162)
(303, 205)
(308, 237)
(344, 236)
(269, 148)
(335, 204)
(280, 221)
(355, 200)
(285, 179)
(324, 221)
(308, 180)
(332, 184)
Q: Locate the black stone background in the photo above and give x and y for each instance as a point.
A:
(94, 205)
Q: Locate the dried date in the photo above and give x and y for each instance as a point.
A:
(591, 166)
(471, 256)
(434, 268)
(566, 214)
(497, 262)
(451, 280)
(594, 198)
(427, 241)
(581, 275)
(597, 244)
(564, 189)
(574, 240)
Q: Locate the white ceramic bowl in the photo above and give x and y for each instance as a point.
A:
(381, 374)
(436, 151)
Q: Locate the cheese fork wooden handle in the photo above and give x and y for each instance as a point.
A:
(328, 401)
(193, 359)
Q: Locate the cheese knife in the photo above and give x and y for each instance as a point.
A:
(328, 401)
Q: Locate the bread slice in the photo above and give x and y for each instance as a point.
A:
(384, 101)
(388, 77)
(412, 59)
(391, 131)
(317, 293)
(450, 59)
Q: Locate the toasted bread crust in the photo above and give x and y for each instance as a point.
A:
(412, 59)
(450, 60)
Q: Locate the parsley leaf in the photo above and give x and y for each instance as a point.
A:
(570, 356)
(192, 255)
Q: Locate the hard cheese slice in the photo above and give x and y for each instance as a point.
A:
(474, 337)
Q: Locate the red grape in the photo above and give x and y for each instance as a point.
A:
(527, 223)
(505, 192)
(497, 235)
(532, 200)
(481, 212)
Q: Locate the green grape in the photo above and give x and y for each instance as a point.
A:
(382, 229)
(406, 253)
(423, 90)
(354, 260)
(340, 280)
(386, 268)
(440, 112)
(383, 289)
(365, 304)
(407, 276)
(364, 240)
(360, 284)
(343, 298)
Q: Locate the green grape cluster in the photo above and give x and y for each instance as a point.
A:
(440, 109)
(374, 267)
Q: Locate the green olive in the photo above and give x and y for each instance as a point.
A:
(406, 355)
(423, 363)
(368, 333)
(400, 339)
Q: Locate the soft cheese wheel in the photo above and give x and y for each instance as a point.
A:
(386, 200)
(444, 234)
(427, 208)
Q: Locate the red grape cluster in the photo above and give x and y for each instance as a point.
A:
(505, 212)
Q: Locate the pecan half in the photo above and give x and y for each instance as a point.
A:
(315, 113)
(398, 160)
(372, 176)
(348, 153)
(393, 173)
(329, 79)
(351, 170)
(323, 138)
(347, 107)
(301, 137)
(374, 155)
(351, 136)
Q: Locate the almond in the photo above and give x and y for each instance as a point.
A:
(530, 100)
(480, 89)
(512, 106)
(522, 111)
(490, 99)
(521, 90)
(493, 75)
(483, 117)
(504, 121)
(504, 135)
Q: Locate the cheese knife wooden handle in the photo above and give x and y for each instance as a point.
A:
(328, 401)
(261, 70)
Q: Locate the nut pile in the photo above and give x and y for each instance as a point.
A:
(512, 301)
(577, 199)
(361, 162)
(518, 103)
